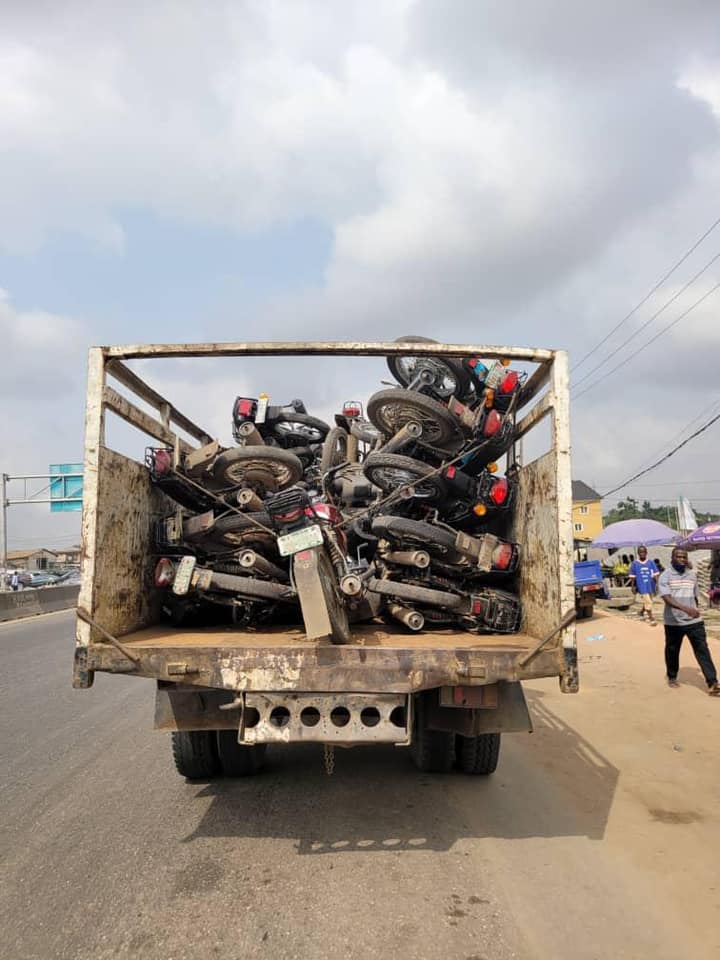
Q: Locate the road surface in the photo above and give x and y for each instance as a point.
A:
(598, 837)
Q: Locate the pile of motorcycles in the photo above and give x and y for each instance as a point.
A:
(397, 514)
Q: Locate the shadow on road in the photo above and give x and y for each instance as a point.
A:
(550, 784)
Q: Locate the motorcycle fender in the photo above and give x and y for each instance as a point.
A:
(306, 574)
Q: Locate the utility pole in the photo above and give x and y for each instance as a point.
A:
(4, 584)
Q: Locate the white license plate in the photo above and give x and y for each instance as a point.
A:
(181, 583)
(299, 540)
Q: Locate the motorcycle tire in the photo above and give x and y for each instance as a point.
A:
(238, 465)
(246, 530)
(455, 378)
(391, 472)
(334, 450)
(427, 535)
(295, 430)
(390, 410)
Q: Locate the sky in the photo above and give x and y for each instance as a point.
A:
(470, 171)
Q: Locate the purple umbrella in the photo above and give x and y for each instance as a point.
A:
(630, 533)
(706, 537)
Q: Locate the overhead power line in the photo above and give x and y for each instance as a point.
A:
(647, 296)
(647, 323)
(644, 346)
(667, 456)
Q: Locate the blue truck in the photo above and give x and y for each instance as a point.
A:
(589, 587)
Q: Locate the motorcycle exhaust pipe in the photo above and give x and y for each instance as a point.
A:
(249, 500)
(411, 431)
(410, 618)
(243, 586)
(250, 434)
(408, 558)
(250, 560)
(408, 591)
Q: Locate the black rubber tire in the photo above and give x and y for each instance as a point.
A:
(432, 751)
(390, 410)
(231, 466)
(334, 601)
(237, 760)
(335, 449)
(478, 756)
(288, 439)
(244, 530)
(456, 369)
(428, 535)
(195, 754)
(379, 469)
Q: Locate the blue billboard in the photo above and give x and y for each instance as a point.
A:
(66, 490)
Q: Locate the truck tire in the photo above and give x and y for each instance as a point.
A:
(478, 755)
(432, 751)
(195, 754)
(237, 760)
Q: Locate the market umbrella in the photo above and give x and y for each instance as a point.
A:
(631, 533)
(706, 537)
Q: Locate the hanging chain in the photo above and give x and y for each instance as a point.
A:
(329, 759)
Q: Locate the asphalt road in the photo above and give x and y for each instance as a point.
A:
(597, 837)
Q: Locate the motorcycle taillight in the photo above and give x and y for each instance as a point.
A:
(499, 492)
(162, 462)
(509, 382)
(502, 557)
(352, 409)
(492, 424)
(164, 572)
(244, 407)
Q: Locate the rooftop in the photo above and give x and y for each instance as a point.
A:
(581, 492)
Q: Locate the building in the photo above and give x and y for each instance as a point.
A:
(39, 559)
(69, 556)
(586, 511)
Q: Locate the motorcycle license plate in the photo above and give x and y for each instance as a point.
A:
(183, 576)
(299, 540)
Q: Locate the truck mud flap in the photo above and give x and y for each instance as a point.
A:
(351, 719)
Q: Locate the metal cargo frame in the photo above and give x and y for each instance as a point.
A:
(120, 505)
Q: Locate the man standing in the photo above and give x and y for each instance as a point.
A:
(643, 580)
(678, 588)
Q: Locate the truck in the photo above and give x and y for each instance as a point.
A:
(589, 587)
(223, 693)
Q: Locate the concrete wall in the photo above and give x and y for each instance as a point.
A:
(27, 603)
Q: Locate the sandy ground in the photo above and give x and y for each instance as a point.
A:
(597, 838)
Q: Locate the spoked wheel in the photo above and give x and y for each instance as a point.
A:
(390, 410)
(236, 759)
(391, 472)
(335, 449)
(264, 469)
(450, 378)
(323, 610)
(296, 430)
(478, 755)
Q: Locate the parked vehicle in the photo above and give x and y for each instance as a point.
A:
(589, 587)
(335, 596)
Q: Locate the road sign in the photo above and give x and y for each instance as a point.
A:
(66, 491)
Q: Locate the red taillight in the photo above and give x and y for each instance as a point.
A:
(162, 461)
(493, 422)
(352, 409)
(289, 517)
(503, 556)
(499, 492)
(244, 408)
(476, 605)
(450, 472)
(509, 382)
(164, 572)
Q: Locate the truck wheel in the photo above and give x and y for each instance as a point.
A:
(237, 760)
(478, 755)
(432, 751)
(195, 754)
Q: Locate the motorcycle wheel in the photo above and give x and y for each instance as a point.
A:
(296, 430)
(390, 410)
(335, 449)
(264, 466)
(431, 537)
(452, 379)
(391, 471)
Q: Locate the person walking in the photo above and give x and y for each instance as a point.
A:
(643, 580)
(678, 588)
(14, 580)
